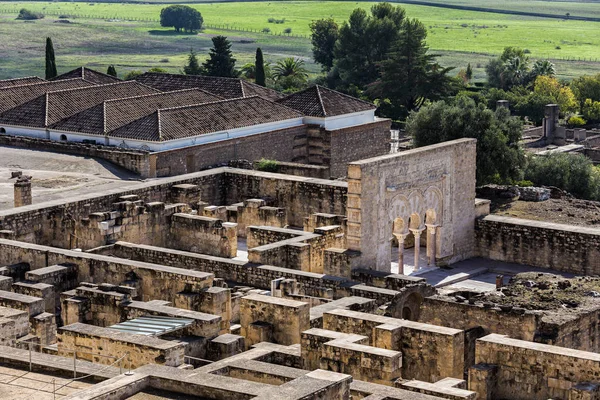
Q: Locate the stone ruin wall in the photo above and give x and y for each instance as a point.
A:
(563, 248)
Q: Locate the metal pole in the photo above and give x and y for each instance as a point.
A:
(74, 364)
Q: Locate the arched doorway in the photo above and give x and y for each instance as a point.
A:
(63, 138)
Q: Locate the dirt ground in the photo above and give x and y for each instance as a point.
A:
(58, 176)
(562, 211)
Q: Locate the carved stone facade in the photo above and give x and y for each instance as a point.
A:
(427, 194)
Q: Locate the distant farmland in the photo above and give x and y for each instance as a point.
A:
(129, 34)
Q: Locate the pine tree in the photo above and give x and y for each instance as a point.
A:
(50, 61)
(220, 60)
(469, 72)
(193, 66)
(260, 78)
(111, 71)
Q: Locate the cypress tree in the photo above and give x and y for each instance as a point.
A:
(111, 71)
(469, 72)
(193, 66)
(260, 78)
(220, 59)
(50, 61)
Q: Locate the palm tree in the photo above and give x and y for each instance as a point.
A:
(248, 71)
(543, 67)
(290, 67)
(515, 71)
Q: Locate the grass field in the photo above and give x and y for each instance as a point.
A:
(105, 33)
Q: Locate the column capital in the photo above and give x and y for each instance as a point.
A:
(417, 232)
(431, 228)
(400, 236)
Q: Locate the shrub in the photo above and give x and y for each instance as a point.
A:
(524, 183)
(267, 165)
(591, 110)
(26, 14)
(132, 74)
(575, 121)
(287, 31)
(574, 173)
(266, 30)
(164, 60)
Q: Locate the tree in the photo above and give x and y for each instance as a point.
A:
(508, 70)
(158, 70)
(560, 94)
(111, 71)
(543, 68)
(363, 43)
(290, 73)
(591, 110)
(411, 75)
(181, 17)
(586, 87)
(469, 72)
(27, 15)
(499, 156)
(193, 66)
(259, 69)
(324, 34)
(220, 59)
(50, 60)
(572, 172)
(131, 75)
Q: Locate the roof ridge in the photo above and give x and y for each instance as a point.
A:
(104, 130)
(46, 102)
(94, 86)
(345, 95)
(210, 102)
(44, 83)
(321, 101)
(159, 125)
(158, 94)
(192, 76)
(23, 77)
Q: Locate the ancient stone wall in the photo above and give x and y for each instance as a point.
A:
(277, 145)
(138, 350)
(566, 248)
(520, 370)
(430, 188)
(356, 143)
(132, 160)
(203, 235)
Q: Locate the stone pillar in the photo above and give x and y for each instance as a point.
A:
(550, 121)
(23, 191)
(400, 237)
(417, 234)
(431, 240)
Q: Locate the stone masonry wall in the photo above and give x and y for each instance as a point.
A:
(277, 145)
(573, 249)
(132, 160)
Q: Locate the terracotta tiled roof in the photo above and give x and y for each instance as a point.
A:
(11, 97)
(112, 114)
(188, 121)
(89, 75)
(318, 101)
(228, 88)
(20, 81)
(51, 107)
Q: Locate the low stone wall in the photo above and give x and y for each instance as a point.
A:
(298, 169)
(136, 161)
(140, 349)
(520, 370)
(566, 248)
(203, 235)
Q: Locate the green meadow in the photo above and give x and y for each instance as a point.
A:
(130, 36)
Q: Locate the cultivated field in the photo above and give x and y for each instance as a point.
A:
(129, 35)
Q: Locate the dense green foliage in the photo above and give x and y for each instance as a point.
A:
(50, 60)
(324, 34)
(27, 15)
(289, 74)
(193, 65)
(131, 75)
(499, 157)
(267, 165)
(181, 17)
(111, 71)
(220, 60)
(574, 173)
(259, 70)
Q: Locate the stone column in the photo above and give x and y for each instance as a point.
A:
(22, 191)
(400, 237)
(417, 234)
(431, 231)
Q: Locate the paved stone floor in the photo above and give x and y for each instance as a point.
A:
(16, 384)
(58, 176)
